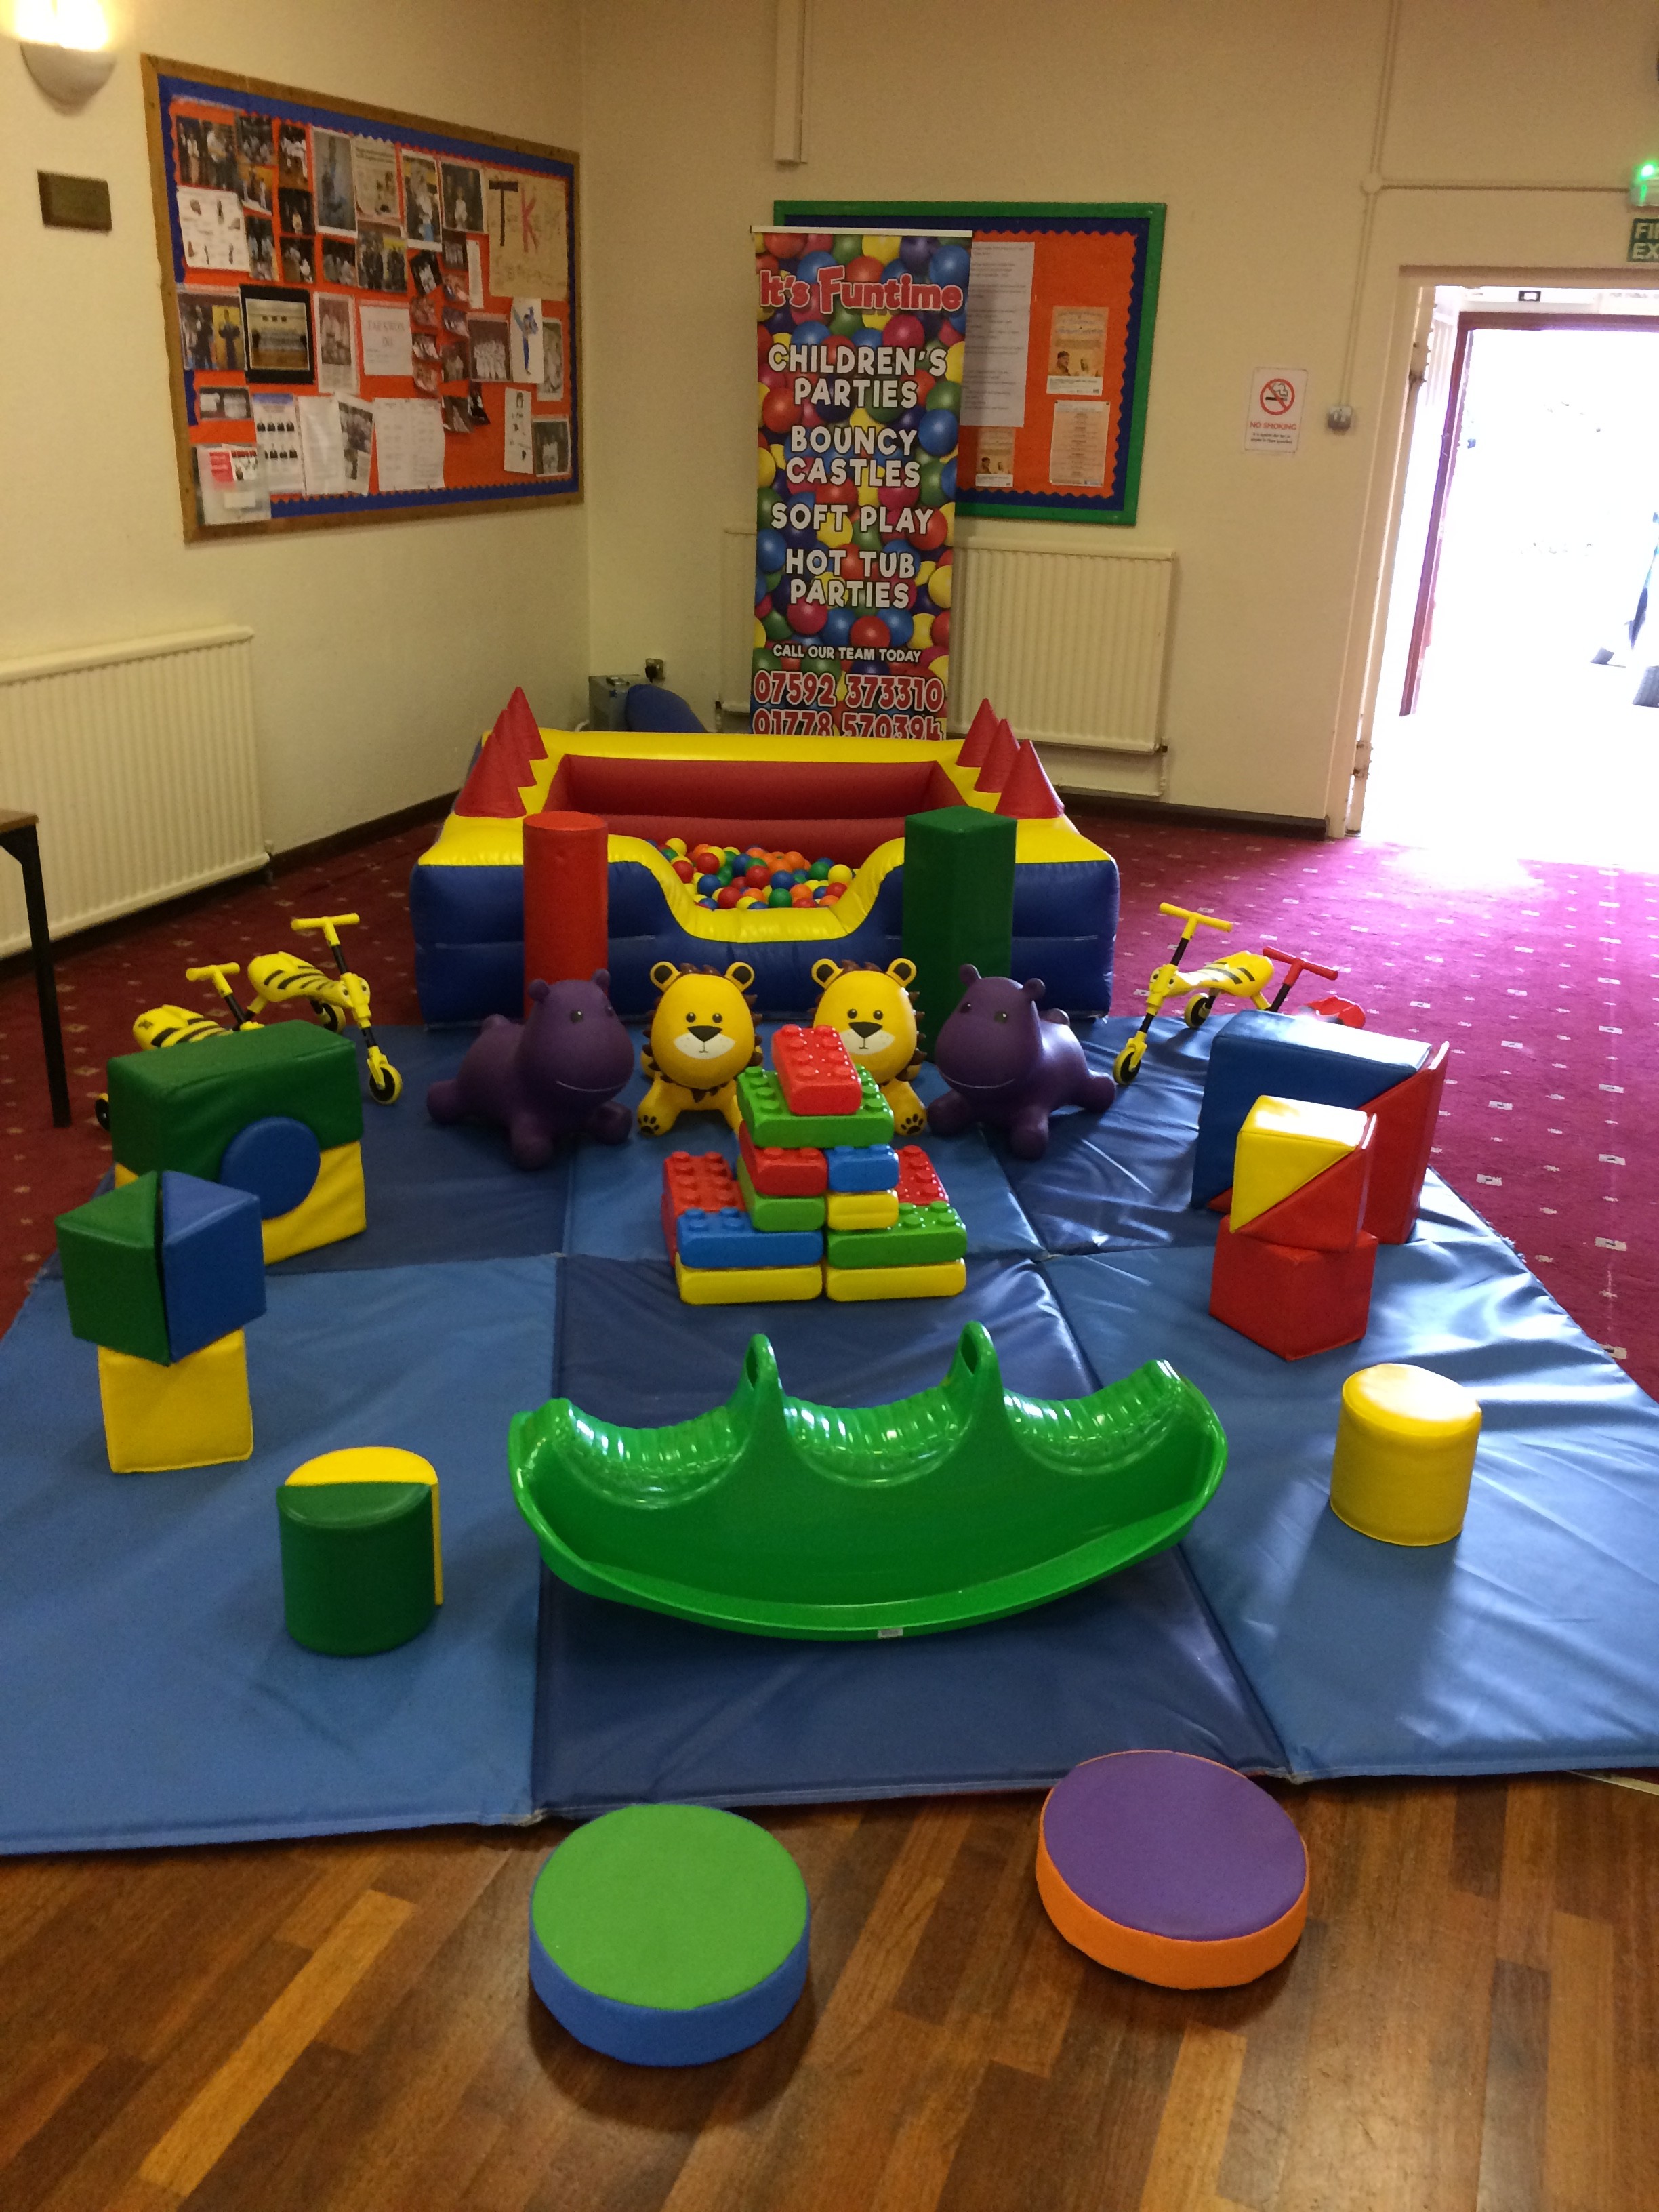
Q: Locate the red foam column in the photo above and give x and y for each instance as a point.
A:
(566, 883)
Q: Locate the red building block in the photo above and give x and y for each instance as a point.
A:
(784, 1171)
(918, 1183)
(695, 1181)
(1290, 1301)
(815, 1072)
(1325, 1214)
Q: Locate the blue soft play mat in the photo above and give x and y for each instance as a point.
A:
(154, 1696)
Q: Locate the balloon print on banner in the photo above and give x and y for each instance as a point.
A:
(860, 353)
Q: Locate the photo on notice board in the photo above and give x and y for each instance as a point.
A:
(337, 191)
(293, 164)
(488, 337)
(340, 259)
(299, 261)
(295, 213)
(552, 383)
(212, 229)
(455, 360)
(552, 441)
(259, 190)
(357, 430)
(375, 172)
(462, 197)
(458, 419)
(380, 260)
(422, 215)
(219, 153)
(261, 249)
(278, 334)
(254, 141)
(336, 349)
(426, 273)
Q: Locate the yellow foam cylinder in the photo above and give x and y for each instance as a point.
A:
(1405, 1452)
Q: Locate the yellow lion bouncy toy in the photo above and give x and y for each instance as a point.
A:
(869, 1009)
(702, 1037)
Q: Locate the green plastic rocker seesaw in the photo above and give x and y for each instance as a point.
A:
(782, 1518)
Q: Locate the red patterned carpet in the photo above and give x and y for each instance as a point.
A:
(1539, 972)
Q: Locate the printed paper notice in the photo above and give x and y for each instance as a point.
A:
(1077, 446)
(409, 445)
(525, 350)
(525, 217)
(211, 229)
(322, 447)
(1273, 415)
(276, 432)
(515, 450)
(357, 438)
(994, 464)
(1076, 352)
(232, 482)
(999, 331)
(336, 346)
(386, 340)
(475, 290)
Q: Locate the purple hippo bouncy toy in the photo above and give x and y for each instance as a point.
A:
(1009, 1066)
(554, 1075)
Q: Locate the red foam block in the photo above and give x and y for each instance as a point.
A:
(1406, 1115)
(1289, 1300)
(1325, 1214)
(815, 1070)
(784, 1171)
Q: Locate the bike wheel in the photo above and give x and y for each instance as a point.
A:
(1127, 1066)
(385, 1083)
(1198, 1010)
(329, 1016)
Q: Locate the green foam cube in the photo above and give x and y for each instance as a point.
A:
(958, 905)
(113, 1270)
(179, 1108)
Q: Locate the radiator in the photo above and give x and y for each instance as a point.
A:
(139, 760)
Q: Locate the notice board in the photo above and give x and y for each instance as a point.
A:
(1059, 349)
(368, 315)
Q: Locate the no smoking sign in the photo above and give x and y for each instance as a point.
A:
(1273, 415)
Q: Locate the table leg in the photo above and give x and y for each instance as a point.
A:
(24, 846)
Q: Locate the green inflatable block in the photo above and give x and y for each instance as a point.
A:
(958, 905)
(769, 1213)
(181, 1108)
(782, 1518)
(922, 1237)
(760, 1101)
(110, 1249)
(357, 1563)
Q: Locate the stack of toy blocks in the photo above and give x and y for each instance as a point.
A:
(162, 1275)
(821, 1199)
(1293, 1266)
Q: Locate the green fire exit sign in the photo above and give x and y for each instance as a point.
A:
(1644, 238)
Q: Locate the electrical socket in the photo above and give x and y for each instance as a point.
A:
(655, 671)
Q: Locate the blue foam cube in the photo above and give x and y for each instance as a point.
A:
(1265, 1055)
(213, 1262)
(863, 1167)
(729, 1239)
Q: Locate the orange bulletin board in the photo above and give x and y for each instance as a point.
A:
(368, 315)
(1061, 309)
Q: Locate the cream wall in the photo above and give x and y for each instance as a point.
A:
(1253, 120)
(380, 652)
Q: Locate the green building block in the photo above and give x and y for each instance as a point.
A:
(958, 905)
(782, 1518)
(778, 1212)
(357, 1562)
(922, 1237)
(181, 1108)
(761, 1101)
(111, 1251)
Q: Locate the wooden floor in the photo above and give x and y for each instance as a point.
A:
(1472, 2019)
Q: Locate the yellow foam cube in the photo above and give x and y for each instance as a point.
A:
(1284, 1143)
(1406, 1441)
(746, 1286)
(194, 1413)
(862, 1209)
(941, 1278)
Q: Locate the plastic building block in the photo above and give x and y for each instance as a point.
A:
(849, 1286)
(1405, 1454)
(775, 1213)
(960, 1505)
(781, 1171)
(918, 1183)
(815, 1070)
(335, 1207)
(958, 904)
(862, 1209)
(112, 1272)
(1292, 1301)
(871, 1167)
(669, 1934)
(213, 1265)
(1327, 1212)
(362, 1560)
(1284, 1143)
(921, 1236)
(194, 1413)
(769, 1121)
(747, 1287)
(701, 1182)
(729, 1239)
(181, 1110)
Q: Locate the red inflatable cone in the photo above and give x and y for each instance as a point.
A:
(1027, 794)
(505, 766)
(977, 743)
(998, 761)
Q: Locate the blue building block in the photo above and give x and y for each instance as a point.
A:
(213, 1263)
(863, 1167)
(1261, 1055)
(729, 1239)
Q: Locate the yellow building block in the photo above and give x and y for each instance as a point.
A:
(1285, 1142)
(862, 1209)
(380, 1463)
(194, 1413)
(1406, 1441)
(861, 1285)
(335, 1206)
(745, 1286)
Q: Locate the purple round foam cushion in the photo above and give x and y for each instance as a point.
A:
(1175, 1845)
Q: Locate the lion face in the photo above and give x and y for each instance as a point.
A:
(871, 1013)
(702, 1033)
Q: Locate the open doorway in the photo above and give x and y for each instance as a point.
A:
(1516, 705)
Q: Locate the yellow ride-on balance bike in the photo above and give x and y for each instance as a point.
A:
(1241, 976)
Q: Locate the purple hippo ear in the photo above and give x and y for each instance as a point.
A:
(602, 977)
(968, 972)
(1034, 986)
(539, 989)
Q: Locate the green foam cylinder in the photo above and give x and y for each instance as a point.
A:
(958, 905)
(357, 1563)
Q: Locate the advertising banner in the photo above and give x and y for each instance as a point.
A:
(860, 357)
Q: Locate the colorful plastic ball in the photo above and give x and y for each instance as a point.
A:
(898, 622)
(684, 870)
(916, 254)
(949, 264)
(870, 631)
(776, 898)
(820, 870)
(807, 618)
(707, 883)
(779, 411)
(937, 432)
(756, 878)
(838, 624)
(782, 880)
(674, 844)
(841, 873)
(727, 896)
(904, 330)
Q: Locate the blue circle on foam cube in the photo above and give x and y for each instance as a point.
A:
(277, 1158)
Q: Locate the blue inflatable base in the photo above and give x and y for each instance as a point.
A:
(651, 2035)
